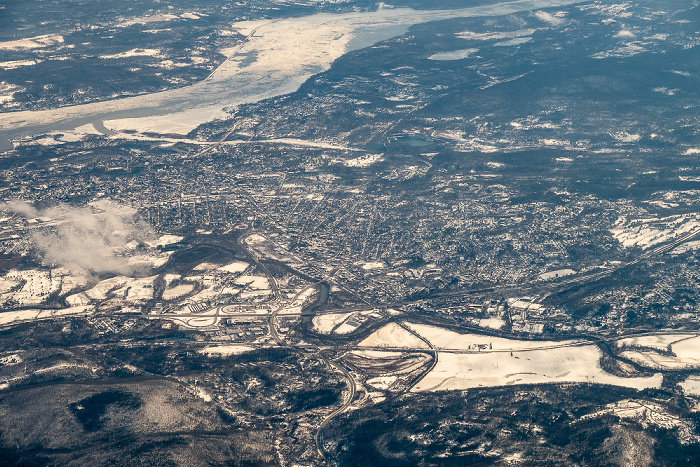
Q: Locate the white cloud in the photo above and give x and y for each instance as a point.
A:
(86, 240)
(548, 18)
(626, 34)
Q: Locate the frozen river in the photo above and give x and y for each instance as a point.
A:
(276, 58)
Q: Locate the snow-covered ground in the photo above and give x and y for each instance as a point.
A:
(455, 371)
(691, 385)
(165, 240)
(444, 339)
(37, 288)
(656, 341)
(686, 352)
(473, 360)
(324, 324)
(254, 282)
(381, 382)
(8, 317)
(177, 291)
(556, 274)
(102, 288)
(225, 350)
(235, 267)
(393, 335)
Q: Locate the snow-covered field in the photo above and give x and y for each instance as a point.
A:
(656, 341)
(381, 382)
(443, 339)
(686, 352)
(324, 324)
(691, 385)
(235, 267)
(165, 240)
(177, 291)
(254, 282)
(9, 317)
(38, 286)
(224, 350)
(556, 365)
(288, 51)
(370, 265)
(473, 360)
(102, 288)
(393, 335)
(556, 274)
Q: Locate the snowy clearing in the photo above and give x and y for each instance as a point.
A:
(444, 339)
(102, 289)
(686, 354)
(559, 365)
(224, 350)
(556, 274)
(381, 382)
(656, 341)
(253, 282)
(177, 291)
(393, 335)
(691, 385)
(235, 267)
(324, 324)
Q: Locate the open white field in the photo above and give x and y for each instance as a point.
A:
(686, 355)
(165, 240)
(235, 267)
(149, 260)
(656, 341)
(382, 382)
(324, 324)
(6, 285)
(376, 353)
(347, 327)
(78, 299)
(443, 339)
(253, 282)
(10, 317)
(574, 364)
(393, 335)
(137, 289)
(288, 51)
(101, 290)
(224, 350)
(177, 291)
(691, 385)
